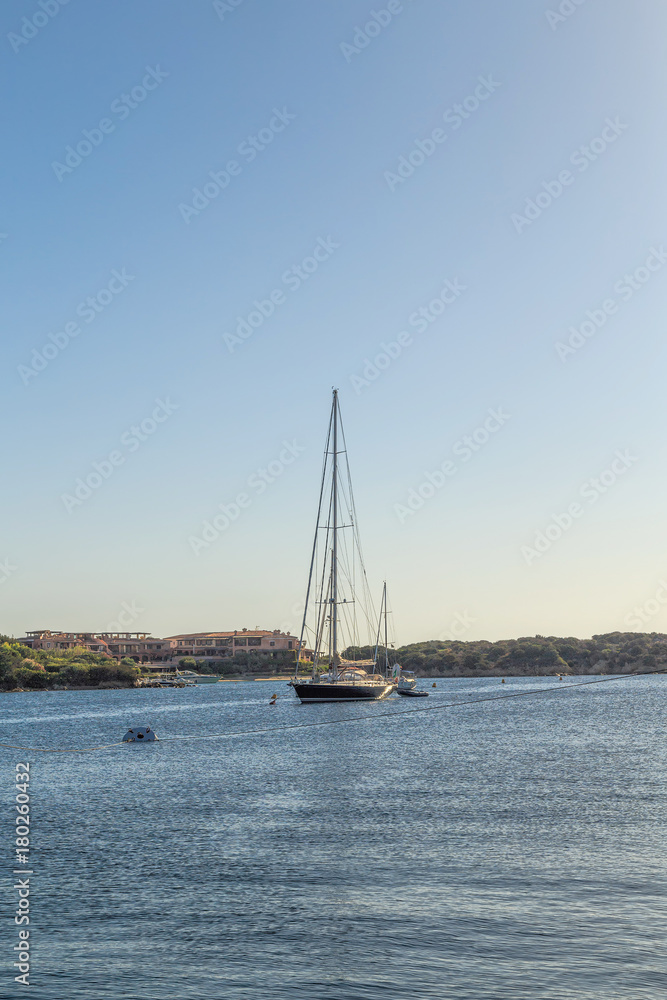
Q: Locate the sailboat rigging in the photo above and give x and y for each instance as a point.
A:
(338, 577)
(384, 611)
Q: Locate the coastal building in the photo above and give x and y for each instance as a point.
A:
(140, 646)
(226, 644)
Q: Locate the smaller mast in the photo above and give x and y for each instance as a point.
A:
(383, 612)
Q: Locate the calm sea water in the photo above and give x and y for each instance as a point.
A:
(511, 849)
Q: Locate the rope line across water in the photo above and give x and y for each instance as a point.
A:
(352, 718)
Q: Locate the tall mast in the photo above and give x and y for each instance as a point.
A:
(334, 545)
(386, 651)
(317, 650)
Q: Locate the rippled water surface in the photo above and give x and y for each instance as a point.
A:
(507, 849)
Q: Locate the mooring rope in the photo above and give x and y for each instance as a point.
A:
(352, 718)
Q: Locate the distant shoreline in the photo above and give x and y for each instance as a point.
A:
(131, 687)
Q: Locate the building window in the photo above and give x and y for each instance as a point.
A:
(254, 642)
(289, 644)
(272, 643)
(239, 642)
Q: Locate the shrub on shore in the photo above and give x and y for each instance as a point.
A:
(37, 669)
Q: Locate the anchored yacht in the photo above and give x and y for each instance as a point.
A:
(336, 577)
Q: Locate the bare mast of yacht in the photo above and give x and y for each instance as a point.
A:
(331, 598)
(313, 555)
(333, 613)
(337, 590)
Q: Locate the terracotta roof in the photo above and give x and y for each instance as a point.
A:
(226, 635)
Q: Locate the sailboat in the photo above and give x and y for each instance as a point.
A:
(337, 595)
(384, 611)
(405, 680)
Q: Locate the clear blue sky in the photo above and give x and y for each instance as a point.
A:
(334, 113)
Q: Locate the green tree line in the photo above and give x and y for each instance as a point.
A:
(611, 653)
(34, 669)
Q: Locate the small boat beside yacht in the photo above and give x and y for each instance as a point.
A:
(407, 685)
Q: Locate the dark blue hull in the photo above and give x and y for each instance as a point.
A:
(306, 692)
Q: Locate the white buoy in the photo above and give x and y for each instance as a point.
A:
(141, 734)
